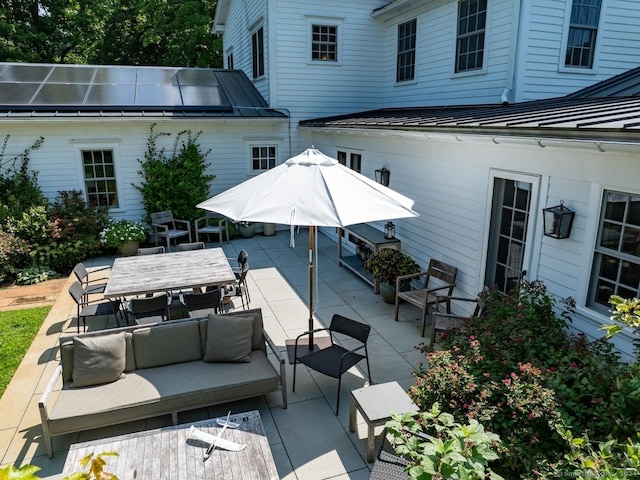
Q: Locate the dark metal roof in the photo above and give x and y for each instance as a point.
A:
(43, 90)
(611, 107)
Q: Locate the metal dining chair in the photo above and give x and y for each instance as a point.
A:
(151, 250)
(89, 284)
(92, 308)
(185, 247)
(150, 310)
(202, 304)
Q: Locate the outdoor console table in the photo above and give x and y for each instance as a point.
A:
(370, 240)
(170, 453)
(168, 271)
(376, 403)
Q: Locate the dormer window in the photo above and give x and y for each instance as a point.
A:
(583, 28)
(472, 19)
(406, 64)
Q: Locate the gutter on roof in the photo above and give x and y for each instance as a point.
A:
(395, 8)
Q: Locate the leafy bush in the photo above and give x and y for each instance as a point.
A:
(175, 181)
(14, 255)
(518, 371)
(19, 188)
(35, 274)
(438, 447)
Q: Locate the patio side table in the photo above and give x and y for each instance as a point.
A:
(376, 403)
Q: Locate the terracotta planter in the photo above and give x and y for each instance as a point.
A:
(129, 248)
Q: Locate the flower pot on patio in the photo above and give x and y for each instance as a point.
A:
(246, 230)
(129, 248)
(268, 229)
(388, 292)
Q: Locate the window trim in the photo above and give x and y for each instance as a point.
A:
(327, 22)
(259, 27)
(562, 67)
(404, 81)
(597, 251)
(485, 50)
(349, 152)
(257, 142)
(114, 146)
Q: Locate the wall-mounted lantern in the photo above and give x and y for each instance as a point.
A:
(389, 230)
(557, 221)
(382, 176)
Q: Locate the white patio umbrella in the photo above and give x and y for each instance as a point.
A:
(310, 189)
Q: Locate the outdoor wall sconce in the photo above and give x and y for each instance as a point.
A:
(382, 176)
(389, 230)
(557, 221)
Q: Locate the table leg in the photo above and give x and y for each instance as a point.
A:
(352, 415)
(371, 438)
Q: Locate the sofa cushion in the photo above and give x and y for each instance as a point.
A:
(257, 340)
(99, 359)
(157, 391)
(159, 345)
(228, 338)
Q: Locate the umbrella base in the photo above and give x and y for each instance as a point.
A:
(303, 346)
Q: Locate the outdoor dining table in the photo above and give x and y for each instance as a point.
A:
(167, 272)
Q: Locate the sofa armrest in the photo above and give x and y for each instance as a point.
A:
(282, 363)
(44, 413)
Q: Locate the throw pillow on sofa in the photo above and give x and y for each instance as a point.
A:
(228, 338)
(98, 360)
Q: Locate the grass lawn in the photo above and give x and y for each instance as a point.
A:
(17, 330)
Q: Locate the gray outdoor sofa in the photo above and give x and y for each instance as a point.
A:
(131, 373)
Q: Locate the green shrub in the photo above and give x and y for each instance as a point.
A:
(518, 371)
(14, 255)
(175, 181)
(19, 188)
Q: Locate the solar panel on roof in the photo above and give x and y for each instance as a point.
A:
(111, 95)
(152, 76)
(167, 95)
(115, 75)
(25, 73)
(203, 96)
(61, 94)
(17, 93)
(62, 74)
(197, 77)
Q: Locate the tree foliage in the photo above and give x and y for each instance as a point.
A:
(121, 32)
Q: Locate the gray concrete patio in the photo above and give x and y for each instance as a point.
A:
(307, 440)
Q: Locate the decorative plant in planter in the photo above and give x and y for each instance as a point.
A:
(246, 229)
(388, 264)
(124, 235)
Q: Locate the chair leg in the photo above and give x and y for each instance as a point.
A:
(294, 372)
(397, 308)
(338, 400)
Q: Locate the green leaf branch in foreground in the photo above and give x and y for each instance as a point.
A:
(438, 447)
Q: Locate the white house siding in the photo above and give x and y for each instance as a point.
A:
(541, 71)
(436, 82)
(237, 38)
(312, 89)
(59, 166)
(450, 181)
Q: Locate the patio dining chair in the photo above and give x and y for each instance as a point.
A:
(90, 285)
(151, 250)
(202, 304)
(211, 224)
(439, 279)
(335, 360)
(239, 288)
(165, 226)
(442, 318)
(92, 308)
(185, 247)
(150, 310)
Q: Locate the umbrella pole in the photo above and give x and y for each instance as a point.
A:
(312, 231)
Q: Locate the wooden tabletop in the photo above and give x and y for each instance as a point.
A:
(168, 271)
(170, 453)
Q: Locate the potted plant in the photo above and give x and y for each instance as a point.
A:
(388, 264)
(246, 229)
(125, 235)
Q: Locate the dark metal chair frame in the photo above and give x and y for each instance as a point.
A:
(151, 250)
(150, 310)
(201, 304)
(88, 284)
(92, 308)
(335, 360)
(185, 247)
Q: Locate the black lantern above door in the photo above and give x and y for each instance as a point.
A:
(557, 221)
